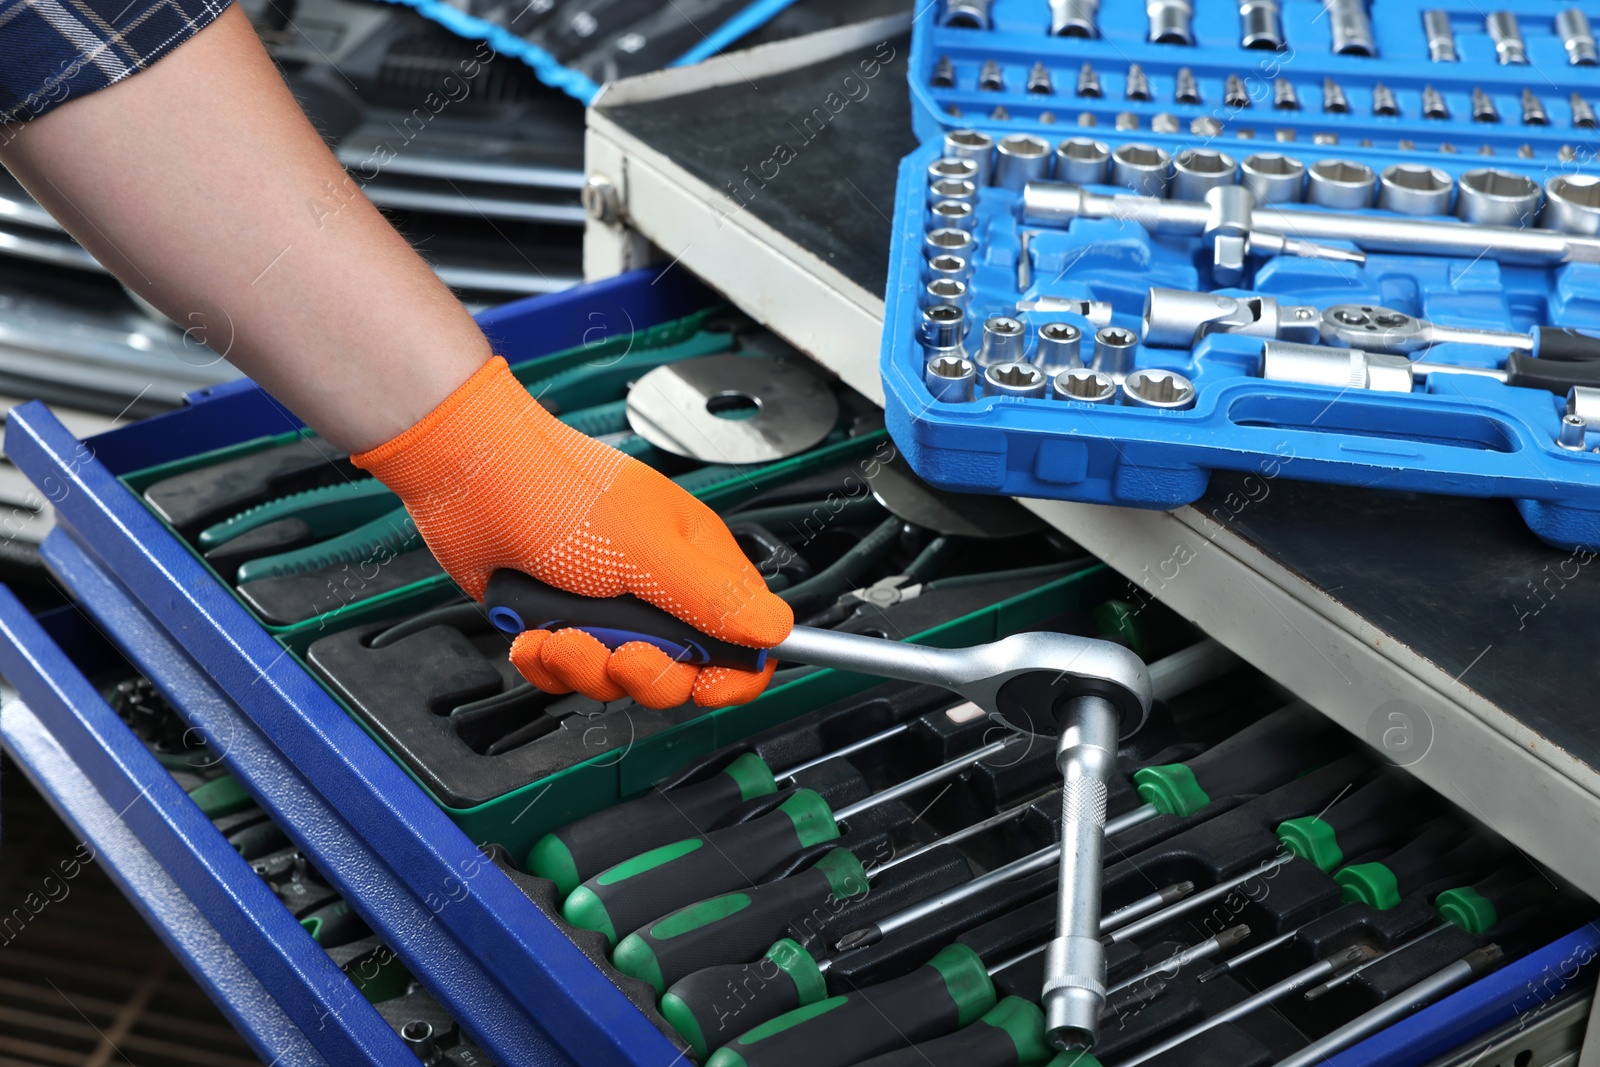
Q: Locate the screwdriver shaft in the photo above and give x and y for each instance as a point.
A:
(1205, 896)
(845, 750)
(928, 777)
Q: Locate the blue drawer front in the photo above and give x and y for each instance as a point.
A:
(266, 973)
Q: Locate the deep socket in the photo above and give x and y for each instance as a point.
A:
(1490, 197)
(1196, 171)
(1506, 34)
(1082, 161)
(1441, 36)
(1273, 178)
(1144, 168)
(1415, 189)
(1114, 347)
(1572, 26)
(1171, 21)
(1260, 25)
(1084, 385)
(1060, 347)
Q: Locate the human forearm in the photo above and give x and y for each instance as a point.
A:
(203, 187)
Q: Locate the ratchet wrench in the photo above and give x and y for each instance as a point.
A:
(1381, 329)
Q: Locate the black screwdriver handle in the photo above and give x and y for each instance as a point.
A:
(1550, 374)
(1011, 1034)
(739, 925)
(1566, 344)
(585, 847)
(518, 602)
(713, 1006)
(642, 889)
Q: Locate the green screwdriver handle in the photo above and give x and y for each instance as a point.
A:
(737, 926)
(948, 992)
(711, 1007)
(1010, 1034)
(388, 535)
(585, 847)
(655, 883)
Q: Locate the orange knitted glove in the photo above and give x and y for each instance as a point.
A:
(493, 480)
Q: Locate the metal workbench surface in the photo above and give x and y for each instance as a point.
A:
(1436, 627)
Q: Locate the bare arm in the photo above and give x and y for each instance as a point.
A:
(202, 186)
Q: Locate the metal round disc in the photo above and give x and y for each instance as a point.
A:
(732, 409)
(908, 497)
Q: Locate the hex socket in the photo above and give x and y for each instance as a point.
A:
(1082, 161)
(1260, 25)
(1060, 347)
(1144, 168)
(1492, 197)
(1572, 204)
(951, 378)
(1197, 171)
(974, 145)
(948, 265)
(1340, 183)
(949, 239)
(1084, 385)
(952, 291)
(1014, 379)
(1415, 189)
(954, 168)
(1021, 158)
(1274, 178)
(1113, 350)
(952, 189)
(967, 14)
(959, 214)
(1075, 18)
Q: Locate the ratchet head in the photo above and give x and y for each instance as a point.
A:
(1374, 328)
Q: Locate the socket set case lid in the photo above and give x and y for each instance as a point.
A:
(1341, 243)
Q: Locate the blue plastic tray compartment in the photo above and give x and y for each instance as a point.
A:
(244, 948)
(308, 745)
(1459, 434)
(1021, 37)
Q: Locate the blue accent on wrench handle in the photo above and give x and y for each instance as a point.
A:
(519, 602)
(1566, 344)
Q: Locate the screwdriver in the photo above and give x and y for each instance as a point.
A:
(1438, 852)
(1010, 1034)
(1268, 753)
(1174, 963)
(1355, 368)
(588, 845)
(1324, 967)
(1358, 822)
(711, 1005)
(1397, 1007)
(636, 891)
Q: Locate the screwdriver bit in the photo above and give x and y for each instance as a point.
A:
(1572, 26)
(1088, 81)
(1333, 100)
(1138, 84)
(1533, 112)
(1582, 113)
(1433, 105)
(989, 77)
(1205, 126)
(1284, 98)
(1187, 90)
(1383, 101)
(1126, 120)
(1524, 151)
(1234, 94)
(1483, 109)
(1039, 80)
(999, 114)
(1163, 122)
(944, 74)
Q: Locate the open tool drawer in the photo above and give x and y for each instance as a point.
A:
(494, 956)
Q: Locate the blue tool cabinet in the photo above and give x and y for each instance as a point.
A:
(500, 966)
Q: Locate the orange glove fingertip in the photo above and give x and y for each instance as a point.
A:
(525, 658)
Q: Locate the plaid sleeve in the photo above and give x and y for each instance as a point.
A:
(52, 51)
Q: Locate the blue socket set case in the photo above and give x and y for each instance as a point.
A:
(1321, 240)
